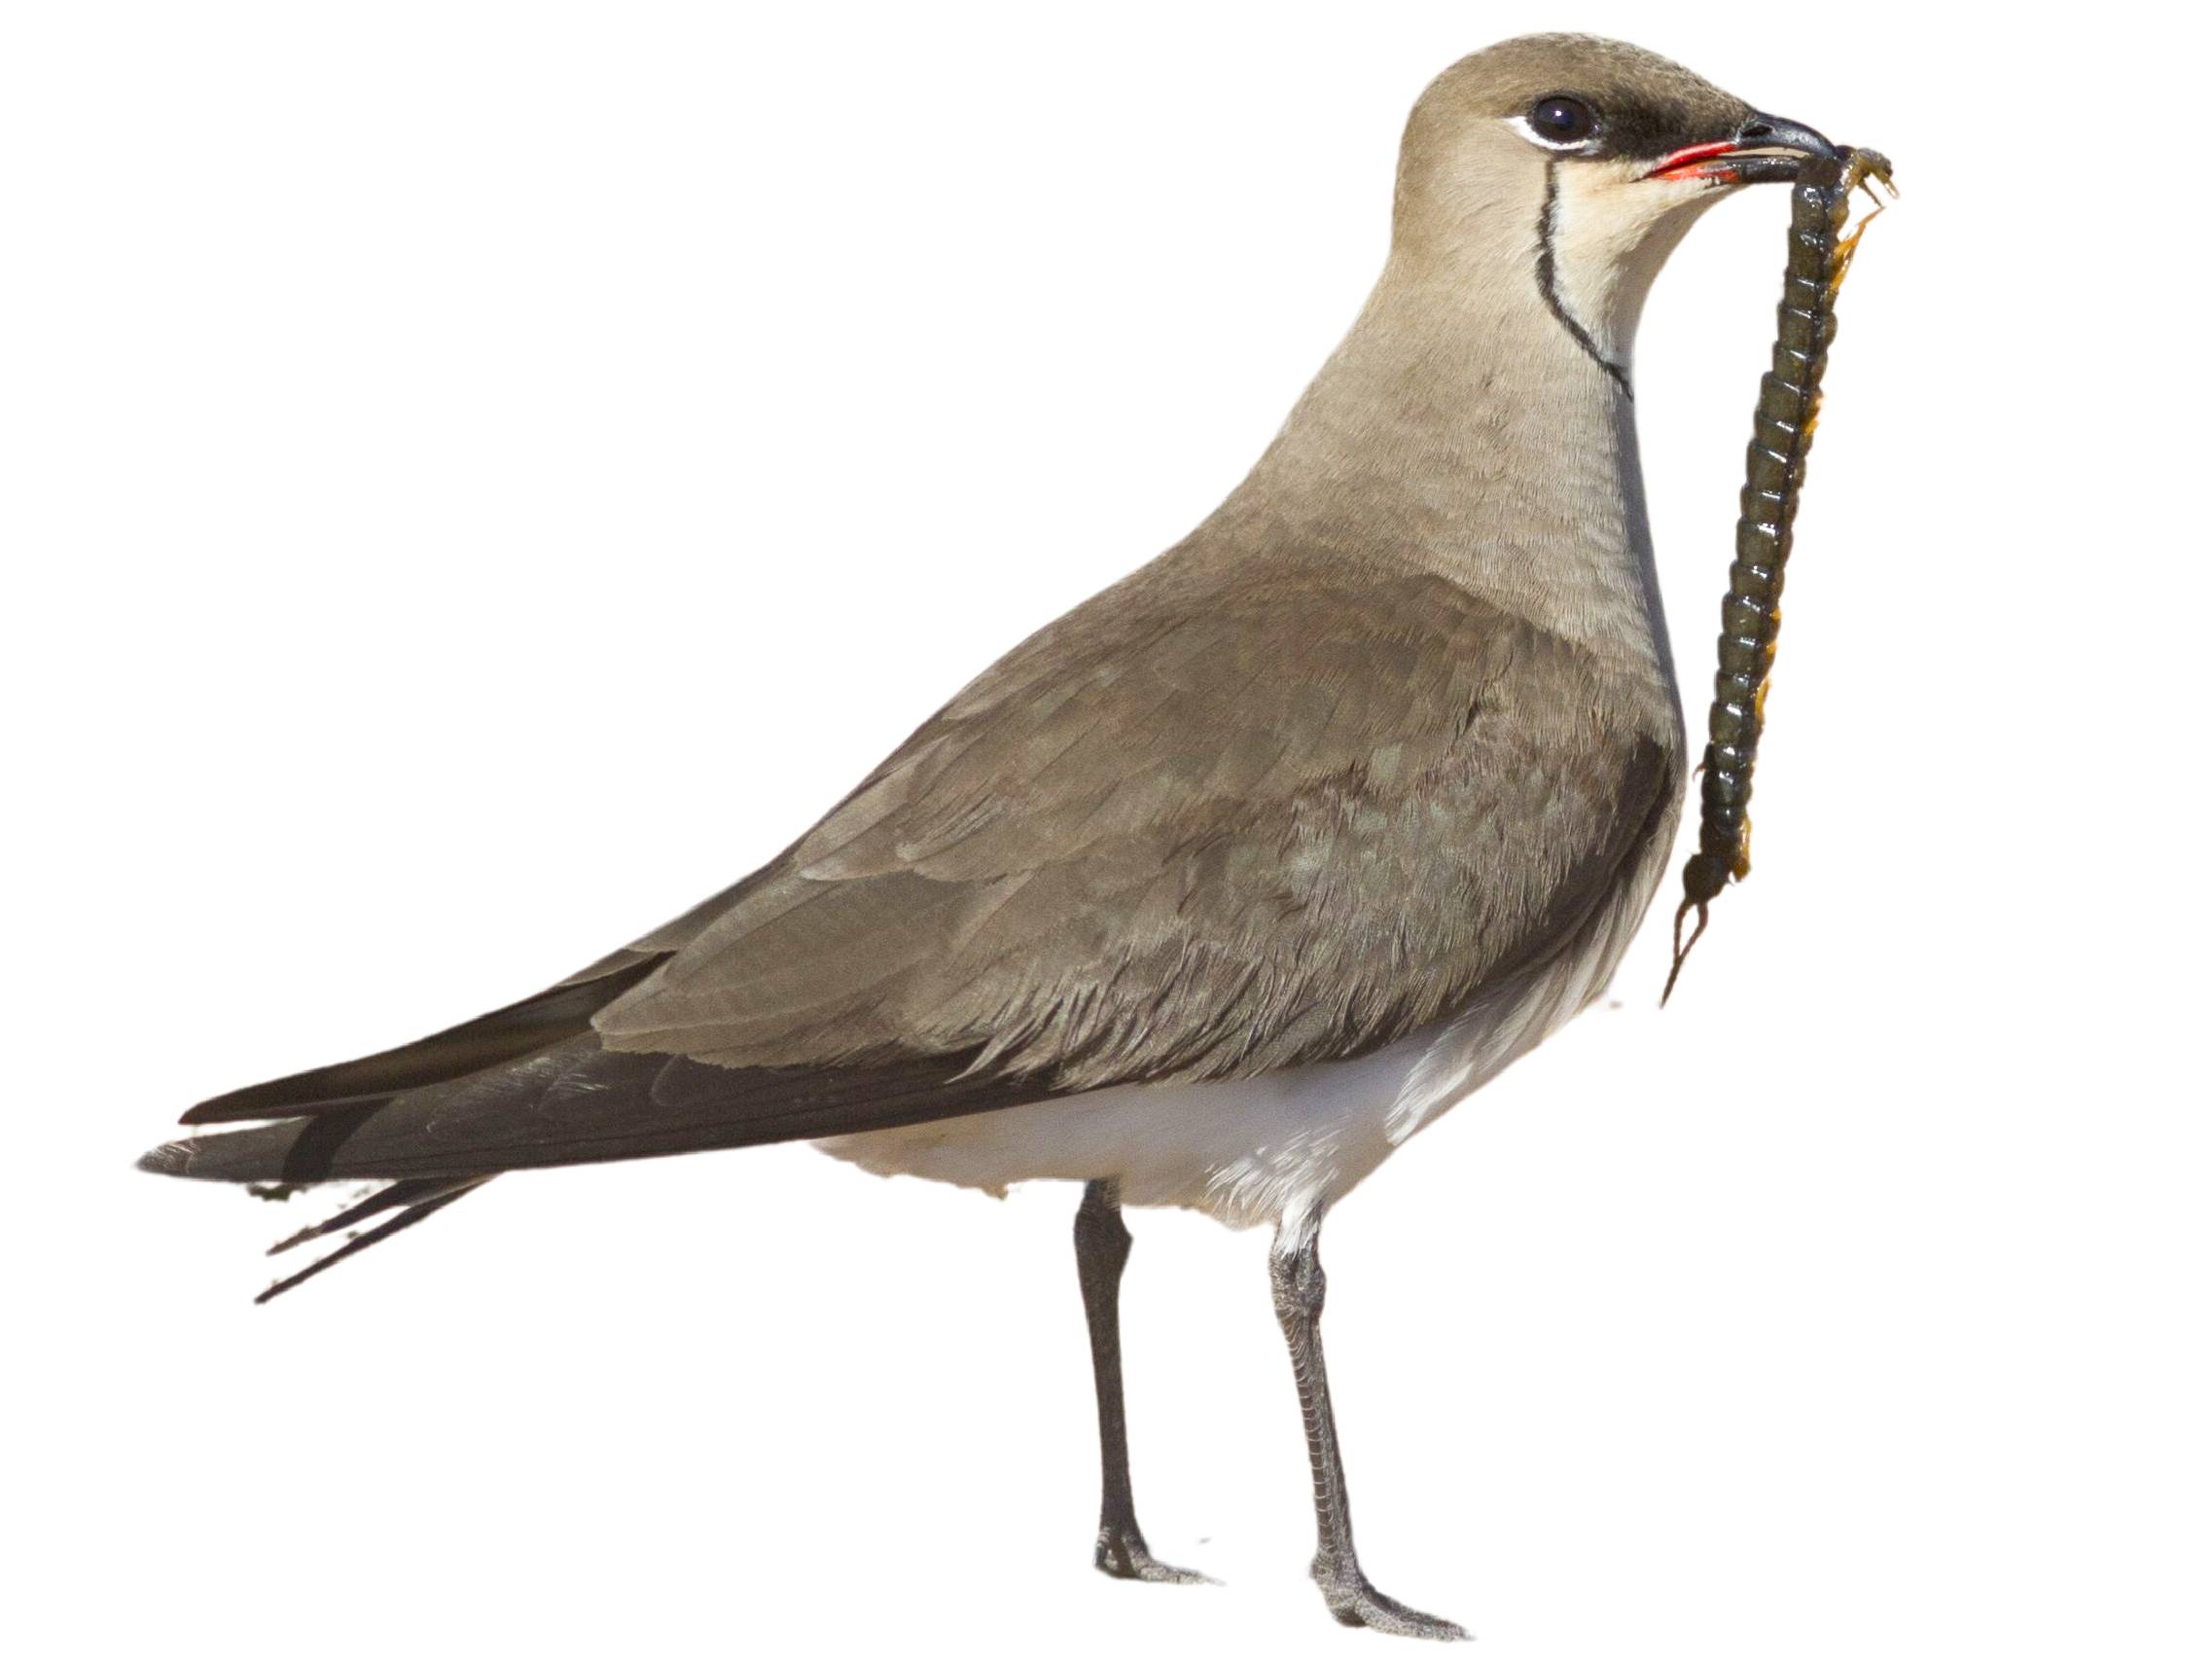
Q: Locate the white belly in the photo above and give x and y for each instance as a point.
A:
(1243, 1150)
(1256, 1149)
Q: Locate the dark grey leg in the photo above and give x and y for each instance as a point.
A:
(1301, 1287)
(1101, 1250)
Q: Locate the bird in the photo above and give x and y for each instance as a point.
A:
(1221, 886)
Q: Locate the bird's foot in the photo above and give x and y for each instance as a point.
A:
(1122, 1553)
(1353, 1601)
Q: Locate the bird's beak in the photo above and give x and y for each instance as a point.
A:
(1764, 149)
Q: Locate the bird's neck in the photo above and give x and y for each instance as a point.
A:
(1462, 429)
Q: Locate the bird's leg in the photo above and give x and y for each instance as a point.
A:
(1102, 1250)
(1295, 1267)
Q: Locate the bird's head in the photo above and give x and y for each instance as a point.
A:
(1573, 165)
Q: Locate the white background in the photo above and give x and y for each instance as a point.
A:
(479, 478)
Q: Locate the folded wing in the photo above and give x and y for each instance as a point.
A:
(1195, 829)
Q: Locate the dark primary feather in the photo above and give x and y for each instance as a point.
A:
(521, 1028)
(1203, 826)
(578, 1103)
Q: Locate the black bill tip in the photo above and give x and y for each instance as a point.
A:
(1760, 131)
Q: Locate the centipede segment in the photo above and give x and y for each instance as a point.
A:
(1751, 613)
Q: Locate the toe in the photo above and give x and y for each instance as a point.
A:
(1359, 1603)
(1122, 1555)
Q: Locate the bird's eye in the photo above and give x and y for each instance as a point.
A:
(1562, 120)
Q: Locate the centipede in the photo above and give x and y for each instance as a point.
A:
(1775, 473)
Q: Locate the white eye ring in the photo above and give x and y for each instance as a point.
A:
(1521, 124)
